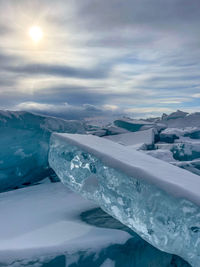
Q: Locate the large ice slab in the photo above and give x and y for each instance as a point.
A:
(133, 125)
(24, 143)
(157, 200)
(134, 139)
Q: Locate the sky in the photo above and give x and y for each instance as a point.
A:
(100, 57)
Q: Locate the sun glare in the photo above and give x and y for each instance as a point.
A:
(36, 34)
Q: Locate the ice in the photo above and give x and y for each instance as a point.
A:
(157, 200)
(24, 142)
(48, 225)
(133, 125)
(186, 150)
(180, 119)
(192, 166)
(169, 135)
(44, 220)
(184, 153)
(113, 130)
(175, 115)
(108, 263)
(178, 142)
(134, 138)
(161, 154)
(107, 131)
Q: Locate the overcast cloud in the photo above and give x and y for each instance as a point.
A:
(139, 57)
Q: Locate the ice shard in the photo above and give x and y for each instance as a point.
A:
(157, 200)
(24, 143)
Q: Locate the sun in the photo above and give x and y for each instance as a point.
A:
(36, 34)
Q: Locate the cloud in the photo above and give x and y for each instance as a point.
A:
(8, 58)
(196, 95)
(133, 55)
(75, 95)
(67, 111)
(58, 70)
(152, 14)
(5, 29)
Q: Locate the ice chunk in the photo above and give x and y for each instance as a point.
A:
(24, 142)
(169, 135)
(157, 200)
(113, 130)
(181, 119)
(132, 125)
(186, 149)
(184, 153)
(175, 115)
(136, 138)
(106, 131)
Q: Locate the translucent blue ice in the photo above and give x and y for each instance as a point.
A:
(169, 223)
(24, 143)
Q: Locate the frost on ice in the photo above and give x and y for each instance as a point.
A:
(157, 200)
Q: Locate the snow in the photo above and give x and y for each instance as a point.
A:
(157, 200)
(44, 220)
(134, 138)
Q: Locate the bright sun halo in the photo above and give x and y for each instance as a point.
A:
(35, 33)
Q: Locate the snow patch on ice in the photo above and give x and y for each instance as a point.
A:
(44, 220)
(134, 138)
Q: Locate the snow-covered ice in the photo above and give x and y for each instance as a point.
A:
(157, 200)
(134, 163)
(48, 225)
(133, 125)
(43, 221)
(180, 119)
(134, 138)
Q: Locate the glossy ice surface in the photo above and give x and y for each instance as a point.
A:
(157, 200)
(24, 143)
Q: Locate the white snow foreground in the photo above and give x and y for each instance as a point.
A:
(157, 200)
(41, 222)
